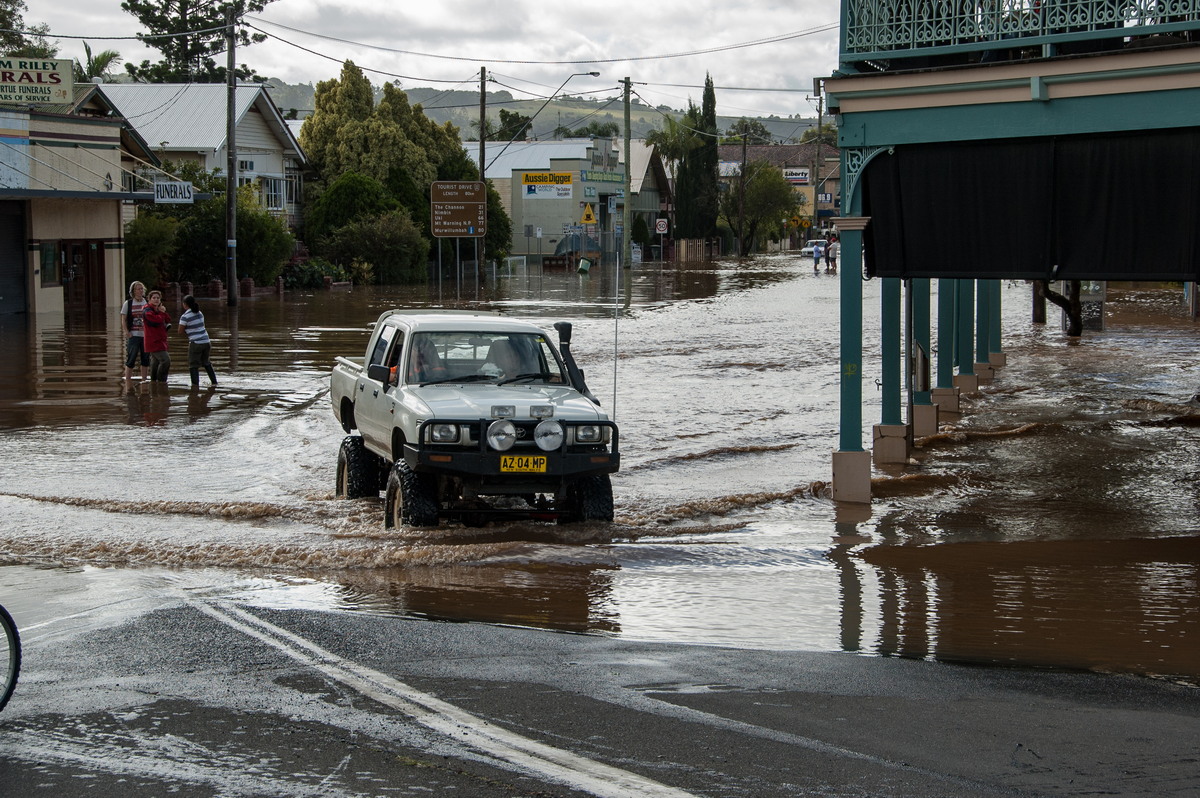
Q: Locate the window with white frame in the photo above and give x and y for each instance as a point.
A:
(272, 193)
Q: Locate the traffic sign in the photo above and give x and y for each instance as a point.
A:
(660, 226)
(458, 209)
(589, 216)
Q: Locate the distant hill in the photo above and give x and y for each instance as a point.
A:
(462, 109)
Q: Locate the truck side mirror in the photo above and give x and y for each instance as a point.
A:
(378, 372)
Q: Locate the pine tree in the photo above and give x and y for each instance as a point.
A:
(708, 176)
(697, 179)
(197, 36)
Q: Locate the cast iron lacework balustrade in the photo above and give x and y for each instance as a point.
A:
(881, 30)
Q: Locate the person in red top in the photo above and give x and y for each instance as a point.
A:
(157, 321)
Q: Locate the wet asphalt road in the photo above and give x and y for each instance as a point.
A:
(211, 698)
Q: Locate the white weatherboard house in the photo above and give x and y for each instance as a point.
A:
(187, 122)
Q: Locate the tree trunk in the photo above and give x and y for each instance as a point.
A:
(1069, 303)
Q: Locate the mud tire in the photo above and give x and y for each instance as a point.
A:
(588, 499)
(410, 498)
(357, 469)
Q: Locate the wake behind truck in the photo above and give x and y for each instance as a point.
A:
(473, 416)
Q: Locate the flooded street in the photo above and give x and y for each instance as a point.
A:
(1053, 525)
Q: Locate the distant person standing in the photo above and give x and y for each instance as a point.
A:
(191, 324)
(831, 256)
(131, 323)
(817, 252)
(157, 321)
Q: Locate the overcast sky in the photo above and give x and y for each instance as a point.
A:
(529, 47)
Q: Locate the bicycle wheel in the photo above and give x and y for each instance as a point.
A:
(10, 656)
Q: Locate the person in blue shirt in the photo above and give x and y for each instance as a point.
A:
(191, 324)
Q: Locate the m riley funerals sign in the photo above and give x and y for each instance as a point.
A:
(35, 80)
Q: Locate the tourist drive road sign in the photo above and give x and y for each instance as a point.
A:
(458, 209)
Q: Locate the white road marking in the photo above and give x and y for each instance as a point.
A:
(551, 764)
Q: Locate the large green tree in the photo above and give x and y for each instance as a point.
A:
(513, 126)
(756, 203)
(351, 196)
(16, 40)
(195, 36)
(828, 134)
(752, 130)
(264, 244)
(393, 143)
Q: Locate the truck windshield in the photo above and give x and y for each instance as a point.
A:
(435, 357)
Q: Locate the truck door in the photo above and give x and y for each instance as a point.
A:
(374, 415)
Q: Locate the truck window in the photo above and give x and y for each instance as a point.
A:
(381, 346)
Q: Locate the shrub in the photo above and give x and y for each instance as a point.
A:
(391, 243)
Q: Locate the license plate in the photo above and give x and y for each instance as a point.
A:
(522, 463)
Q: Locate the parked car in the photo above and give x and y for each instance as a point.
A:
(807, 249)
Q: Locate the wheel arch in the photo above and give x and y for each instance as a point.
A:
(346, 415)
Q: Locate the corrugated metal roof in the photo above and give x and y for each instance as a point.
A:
(524, 154)
(186, 116)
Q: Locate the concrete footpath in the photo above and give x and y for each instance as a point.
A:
(199, 698)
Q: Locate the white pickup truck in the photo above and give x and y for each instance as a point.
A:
(473, 416)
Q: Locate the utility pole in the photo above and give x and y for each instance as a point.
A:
(742, 200)
(627, 208)
(482, 151)
(231, 277)
(817, 161)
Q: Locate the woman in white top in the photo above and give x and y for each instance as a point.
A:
(135, 332)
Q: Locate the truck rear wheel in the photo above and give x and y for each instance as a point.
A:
(410, 498)
(588, 499)
(357, 469)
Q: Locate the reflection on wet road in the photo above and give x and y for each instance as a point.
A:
(1052, 524)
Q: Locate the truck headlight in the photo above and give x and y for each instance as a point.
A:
(444, 433)
(548, 435)
(501, 435)
(589, 433)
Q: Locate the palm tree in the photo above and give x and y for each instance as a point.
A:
(673, 141)
(97, 66)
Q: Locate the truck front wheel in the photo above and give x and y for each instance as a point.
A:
(588, 499)
(410, 498)
(357, 469)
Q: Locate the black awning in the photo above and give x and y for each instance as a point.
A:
(1112, 207)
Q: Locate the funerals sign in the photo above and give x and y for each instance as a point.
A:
(36, 80)
(175, 192)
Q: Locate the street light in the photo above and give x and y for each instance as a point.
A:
(535, 116)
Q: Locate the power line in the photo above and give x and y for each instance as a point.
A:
(707, 51)
(135, 38)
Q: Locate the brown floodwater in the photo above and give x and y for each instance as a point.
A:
(1052, 524)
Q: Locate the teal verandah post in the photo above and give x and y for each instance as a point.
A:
(983, 324)
(890, 343)
(921, 333)
(851, 317)
(963, 345)
(947, 294)
(994, 338)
